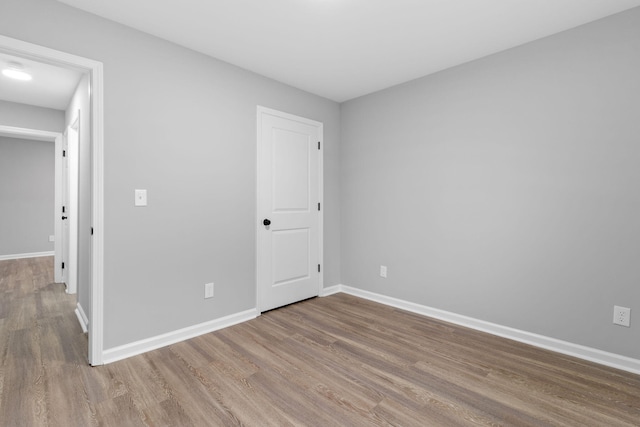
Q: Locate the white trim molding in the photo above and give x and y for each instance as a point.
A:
(82, 318)
(26, 133)
(336, 289)
(26, 255)
(576, 350)
(153, 343)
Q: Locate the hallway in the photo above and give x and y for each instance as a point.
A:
(42, 343)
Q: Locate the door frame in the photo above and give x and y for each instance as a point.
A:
(258, 225)
(56, 138)
(94, 69)
(70, 180)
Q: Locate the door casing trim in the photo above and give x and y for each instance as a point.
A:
(95, 71)
(56, 138)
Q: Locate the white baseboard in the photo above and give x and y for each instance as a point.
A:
(82, 318)
(27, 255)
(153, 343)
(331, 290)
(582, 352)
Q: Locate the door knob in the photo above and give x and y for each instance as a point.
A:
(64, 217)
(266, 222)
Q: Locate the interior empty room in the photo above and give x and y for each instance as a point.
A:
(319, 212)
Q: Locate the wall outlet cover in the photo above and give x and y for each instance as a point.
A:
(383, 271)
(140, 197)
(622, 316)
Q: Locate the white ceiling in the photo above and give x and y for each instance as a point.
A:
(342, 49)
(51, 87)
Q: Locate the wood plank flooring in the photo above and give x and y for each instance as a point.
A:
(334, 361)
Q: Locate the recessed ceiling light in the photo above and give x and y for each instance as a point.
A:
(16, 71)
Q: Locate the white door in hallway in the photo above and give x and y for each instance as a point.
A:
(289, 215)
(64, 213)
(70, 201)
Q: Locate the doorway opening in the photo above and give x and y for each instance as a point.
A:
(95, 194)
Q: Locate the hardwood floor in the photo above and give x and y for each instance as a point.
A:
(334, 361)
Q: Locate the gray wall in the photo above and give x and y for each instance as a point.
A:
(80, 105)
(190, 141)
(30, 117)
(26, 196)
(506, 189)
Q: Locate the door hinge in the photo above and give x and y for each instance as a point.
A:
(92, 231)
(63, 265)
(318, 145)
(64, 153)
(318, 268)
(318, 205)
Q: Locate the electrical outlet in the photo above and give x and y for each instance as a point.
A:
(140, 198)
(622, 316)
(383, 271)
(208, 290)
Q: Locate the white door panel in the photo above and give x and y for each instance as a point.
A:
(290, 171)
(290, 255)
(71, 197)
(289, 193)
(64, 213)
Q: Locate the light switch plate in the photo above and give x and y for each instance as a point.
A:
(208, 290)
(383, 271)
(141, 197)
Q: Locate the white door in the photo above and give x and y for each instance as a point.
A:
(73, 147)
(64, 212)
(289, 216)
